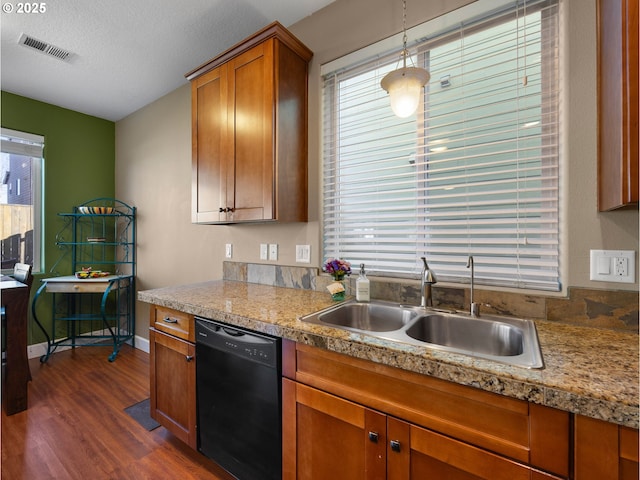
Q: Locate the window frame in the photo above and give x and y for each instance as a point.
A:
(474, 17)
(30, 145)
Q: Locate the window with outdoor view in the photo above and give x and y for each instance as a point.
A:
(21, 164)
(473, 172)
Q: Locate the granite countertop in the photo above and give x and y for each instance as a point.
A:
(588, 371)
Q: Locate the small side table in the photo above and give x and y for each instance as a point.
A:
(94, 310)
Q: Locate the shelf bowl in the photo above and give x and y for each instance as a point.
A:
(96, 210)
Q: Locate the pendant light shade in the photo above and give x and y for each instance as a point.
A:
(404, 84)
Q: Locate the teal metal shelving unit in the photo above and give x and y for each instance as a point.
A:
(99, 235)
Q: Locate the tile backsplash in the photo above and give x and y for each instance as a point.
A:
(611, 309)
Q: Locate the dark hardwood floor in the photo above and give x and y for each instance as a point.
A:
(76, 426)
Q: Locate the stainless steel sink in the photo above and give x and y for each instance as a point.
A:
(372, 317)
(507, 340)
(474, 334)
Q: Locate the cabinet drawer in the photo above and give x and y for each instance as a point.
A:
(79, 287)
(173, 322)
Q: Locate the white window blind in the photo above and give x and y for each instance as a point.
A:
(22, 143)
(473, 172)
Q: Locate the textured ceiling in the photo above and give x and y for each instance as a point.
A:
(127, 53)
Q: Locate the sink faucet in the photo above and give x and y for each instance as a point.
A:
(428, 278)
(475, 308)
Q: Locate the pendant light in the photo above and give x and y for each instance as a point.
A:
(404, 84)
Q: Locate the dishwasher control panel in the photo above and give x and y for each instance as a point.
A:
(239, 341)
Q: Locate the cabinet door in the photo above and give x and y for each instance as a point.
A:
(421, 453)
(250, 180)
(210, 155)
(629, 453)
(604, 451)
(617, 103)
(326, 437)
(173, 385)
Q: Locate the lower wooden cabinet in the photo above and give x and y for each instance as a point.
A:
(173, 385)
(328, 437)
(345, 418)
(604, 451)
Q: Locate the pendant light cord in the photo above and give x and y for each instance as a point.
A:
(405, 53)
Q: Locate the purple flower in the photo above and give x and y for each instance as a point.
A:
(337, 268)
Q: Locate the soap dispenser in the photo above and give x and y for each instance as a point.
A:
(362, 286)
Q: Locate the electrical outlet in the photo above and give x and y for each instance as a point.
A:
(613, 266)
(228, 250)
(303, 253)
(621, 266)
(273, 251)
(264, 251)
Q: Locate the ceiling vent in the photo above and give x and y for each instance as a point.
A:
(45, 47)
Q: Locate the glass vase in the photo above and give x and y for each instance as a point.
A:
(339, 296)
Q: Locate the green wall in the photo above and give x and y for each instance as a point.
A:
(79, 164)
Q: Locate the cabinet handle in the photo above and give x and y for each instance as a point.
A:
(170, 320)
(373, 436)
(222, 210)
(395, 445)
(189, 358)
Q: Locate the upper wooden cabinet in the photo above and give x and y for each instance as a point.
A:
(617, 104)
(249, 131)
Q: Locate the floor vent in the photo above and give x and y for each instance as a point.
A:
(45, 47)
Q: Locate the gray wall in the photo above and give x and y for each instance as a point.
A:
(153, 158)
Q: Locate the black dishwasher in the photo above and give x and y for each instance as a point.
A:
(238, 383)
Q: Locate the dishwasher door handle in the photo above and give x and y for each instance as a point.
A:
(232, 332)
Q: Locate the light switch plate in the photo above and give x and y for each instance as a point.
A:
(613, 266)
(273, 251)
(303, 253)
(264, 251)
(228, 250)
